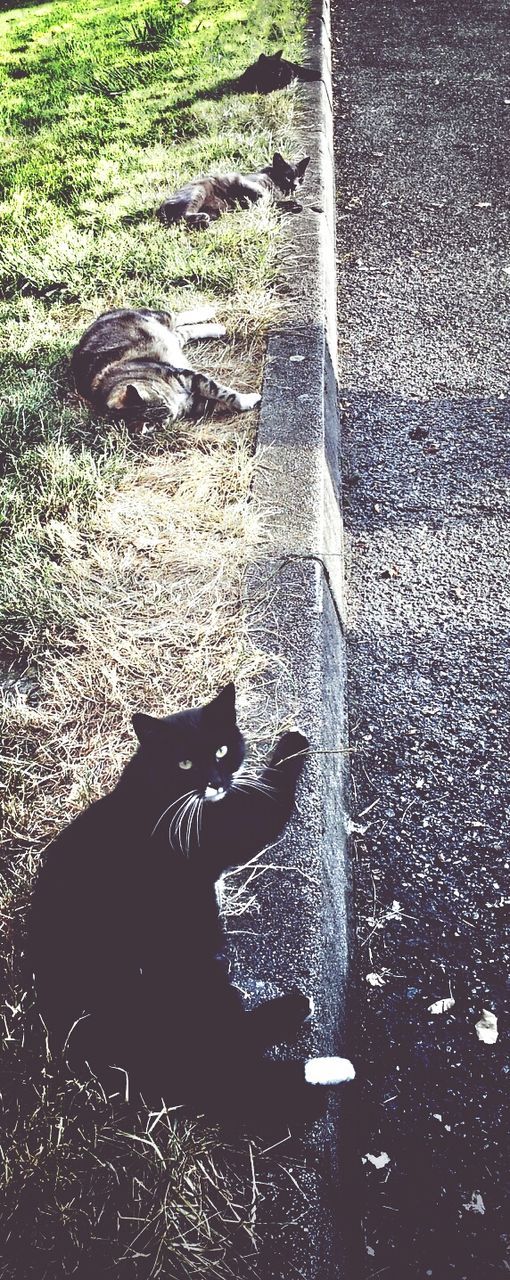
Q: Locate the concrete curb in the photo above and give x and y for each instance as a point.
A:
(295, 606)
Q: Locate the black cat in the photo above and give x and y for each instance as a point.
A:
(269, 72)
(272, 71)
(125, 938)
(203, 200)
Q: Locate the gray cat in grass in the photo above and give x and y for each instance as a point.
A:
(132, 362)
(205, 199)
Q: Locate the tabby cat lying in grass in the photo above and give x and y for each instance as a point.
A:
(204, 199)
(131, 363)
(125, 937)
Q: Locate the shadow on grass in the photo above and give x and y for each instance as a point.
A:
(55, 289)
(21, 4)
(134, 219)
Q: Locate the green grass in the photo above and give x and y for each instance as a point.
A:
(121, 558)
(91, 141)
(92, 133)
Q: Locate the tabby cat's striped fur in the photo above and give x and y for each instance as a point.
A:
(132, 363)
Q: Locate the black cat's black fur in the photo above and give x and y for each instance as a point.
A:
(269, 72)
(125, 939)
(204, 199)
(272, 71)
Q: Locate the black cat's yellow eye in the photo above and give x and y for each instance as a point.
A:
(221, 752)
(185, 764)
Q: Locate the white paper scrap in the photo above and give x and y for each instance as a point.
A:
(475, 1204)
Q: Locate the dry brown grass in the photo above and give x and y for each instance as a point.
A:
(148, 619)
(92, 1190)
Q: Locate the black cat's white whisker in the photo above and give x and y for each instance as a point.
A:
(172, 829)
(198, 810)
(189, 822)
(254, 784)
(167, 810)
(200, 814)
(198, 818)
(248, 779)
(189, 826)
(183, 814)
(247, 790)
(248, 773)
(252, 775)
(175, 825)
(185, 827)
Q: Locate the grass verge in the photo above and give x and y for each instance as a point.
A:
(121, 558)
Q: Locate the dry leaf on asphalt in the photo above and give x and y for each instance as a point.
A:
(378, 1161)
(441, 1006)
(487, 1028)
(475, 1204)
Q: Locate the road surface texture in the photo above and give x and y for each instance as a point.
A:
(422, 124)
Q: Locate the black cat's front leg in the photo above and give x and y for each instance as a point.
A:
(289, 754)
(200, 221)
(278, 1019)
(255, 810)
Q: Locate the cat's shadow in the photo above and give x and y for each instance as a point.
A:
(134, 219)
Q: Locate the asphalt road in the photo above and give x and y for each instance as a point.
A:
(422, 126)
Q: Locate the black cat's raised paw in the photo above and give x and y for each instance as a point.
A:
(291, 751)
(281, 1018)
(297, 1008)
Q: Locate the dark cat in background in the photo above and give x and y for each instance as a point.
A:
(272, 71)
(204, 199)
(125, 938)
(131, 363)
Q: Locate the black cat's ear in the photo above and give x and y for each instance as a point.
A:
(302, 166)
(144, 726)
(279, 54)
(279, 162)
(224, 705)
